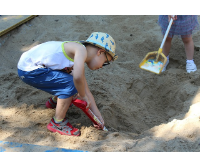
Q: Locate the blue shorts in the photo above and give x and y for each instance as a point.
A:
(55, 82)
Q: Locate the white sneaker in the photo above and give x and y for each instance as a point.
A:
(191, 67)
(164, 68)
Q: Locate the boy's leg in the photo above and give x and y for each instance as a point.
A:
(62, 107)
(59, 84)
(52, 102)
(59, 123)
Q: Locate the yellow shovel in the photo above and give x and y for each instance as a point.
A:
(155, 61)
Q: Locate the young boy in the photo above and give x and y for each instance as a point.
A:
(58, 68)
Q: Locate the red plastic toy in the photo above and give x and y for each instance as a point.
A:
(82, 105)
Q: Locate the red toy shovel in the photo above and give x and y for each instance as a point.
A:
(82, 105)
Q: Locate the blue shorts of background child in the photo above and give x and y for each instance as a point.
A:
(57, 67)
(183, 25)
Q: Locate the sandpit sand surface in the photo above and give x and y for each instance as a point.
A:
(142, 111)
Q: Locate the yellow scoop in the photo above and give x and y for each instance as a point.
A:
(155, 61)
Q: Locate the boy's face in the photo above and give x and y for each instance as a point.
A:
(99, 60)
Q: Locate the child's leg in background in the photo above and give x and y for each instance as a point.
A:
(166, 50)
(167, 46)
(189, 47)
(189, 50)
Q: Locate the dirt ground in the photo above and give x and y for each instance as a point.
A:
(142, 111)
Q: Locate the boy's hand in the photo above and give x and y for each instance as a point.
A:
(85, 98)
(102, 121)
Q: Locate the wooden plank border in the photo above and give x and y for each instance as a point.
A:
(17, 24)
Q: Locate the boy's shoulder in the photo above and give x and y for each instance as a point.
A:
(74, 43)
(71, 47)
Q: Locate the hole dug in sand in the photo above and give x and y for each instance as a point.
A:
(138, 103)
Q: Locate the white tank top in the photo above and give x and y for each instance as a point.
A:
(49, 54)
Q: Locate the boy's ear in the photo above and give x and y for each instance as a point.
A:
(99, 52)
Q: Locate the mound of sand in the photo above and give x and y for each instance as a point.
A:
(142, 111)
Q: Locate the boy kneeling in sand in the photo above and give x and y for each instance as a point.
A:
(58, 68)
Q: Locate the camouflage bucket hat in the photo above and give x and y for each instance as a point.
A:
(104, 41)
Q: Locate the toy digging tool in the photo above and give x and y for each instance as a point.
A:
(155, 61)
(82, 105)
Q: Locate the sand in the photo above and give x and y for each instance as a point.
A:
(142, 111)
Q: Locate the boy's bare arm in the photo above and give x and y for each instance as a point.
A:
(78, 70)
(93, 105)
